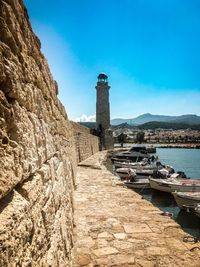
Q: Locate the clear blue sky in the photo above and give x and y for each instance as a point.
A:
(150, 50)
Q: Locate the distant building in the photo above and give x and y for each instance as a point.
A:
(103, 112)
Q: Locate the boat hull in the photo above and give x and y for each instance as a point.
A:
(172, 187)
(159, 186)
(183, 200)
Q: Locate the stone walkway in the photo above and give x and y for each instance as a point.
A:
(114, 226)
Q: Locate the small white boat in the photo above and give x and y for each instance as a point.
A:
(140, 173)
(124, 164)
(171, 185)
(142, 182)
(186, 198)
(139, 184)
(143, 164)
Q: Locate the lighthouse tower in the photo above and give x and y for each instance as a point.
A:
(103, 111)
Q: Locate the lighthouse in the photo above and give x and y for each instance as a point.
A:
(103, 111)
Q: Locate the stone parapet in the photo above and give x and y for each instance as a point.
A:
(86, 144)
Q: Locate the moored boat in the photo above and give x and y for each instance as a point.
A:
(124, 164)
(140, 173)
(170, 185)
(132, 156)
(186, 198)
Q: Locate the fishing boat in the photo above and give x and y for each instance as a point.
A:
(140, 173)
(132, 156)
(143, 164)
(173, 184)
(142, 182)
(186, 198)
(124, 164)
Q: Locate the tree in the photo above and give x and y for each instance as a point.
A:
(122, 138)
(140, 137)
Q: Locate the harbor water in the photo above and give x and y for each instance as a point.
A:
(187, 160)
(182, 159)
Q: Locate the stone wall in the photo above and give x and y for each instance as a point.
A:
(38, 151)
(86, 144)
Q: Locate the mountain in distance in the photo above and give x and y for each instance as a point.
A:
(147, 117)
(189, 119)
(153, 125)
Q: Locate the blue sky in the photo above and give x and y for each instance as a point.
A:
(148, 48)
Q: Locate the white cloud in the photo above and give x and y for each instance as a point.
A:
(84, 118)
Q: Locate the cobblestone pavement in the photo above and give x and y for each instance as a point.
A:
(114, 226)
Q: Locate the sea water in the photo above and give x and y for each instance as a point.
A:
(181, 159)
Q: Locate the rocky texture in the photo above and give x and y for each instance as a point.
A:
(116, 227)
(38, 154)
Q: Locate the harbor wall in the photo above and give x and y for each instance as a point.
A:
(39, 151)
(86, 144)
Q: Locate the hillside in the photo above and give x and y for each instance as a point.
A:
(168, 125)
(147, 117)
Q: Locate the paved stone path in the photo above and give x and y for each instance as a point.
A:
(114, 226)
